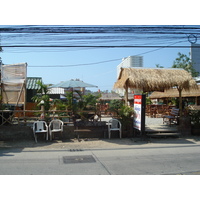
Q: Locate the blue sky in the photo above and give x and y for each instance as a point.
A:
(85, 59)
(89, 13)
(103, 75)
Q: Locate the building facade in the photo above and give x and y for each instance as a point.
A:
(195, 56)
(130, 61)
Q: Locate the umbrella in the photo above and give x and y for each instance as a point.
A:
(72, 84)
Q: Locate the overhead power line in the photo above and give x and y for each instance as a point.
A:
(92, 46)
(106, 61)
(55, 36)
(82, 64)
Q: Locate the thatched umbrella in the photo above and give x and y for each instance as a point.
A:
(155, 79)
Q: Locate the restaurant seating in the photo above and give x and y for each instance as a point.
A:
(114, 125)
(172, 117)
(40, 127)
(55, 126)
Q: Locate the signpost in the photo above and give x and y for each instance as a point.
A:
(139, 108)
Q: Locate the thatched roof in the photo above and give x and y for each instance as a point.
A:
(173, 92)
(154, 79)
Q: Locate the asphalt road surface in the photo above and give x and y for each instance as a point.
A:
(154, 159)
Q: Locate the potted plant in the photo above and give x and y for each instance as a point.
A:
(195, 121)
(126, 117)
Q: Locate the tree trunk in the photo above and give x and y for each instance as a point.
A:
(126, 95)
(180, 101)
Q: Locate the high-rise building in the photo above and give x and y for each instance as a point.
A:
(195, 56)
(130, 61)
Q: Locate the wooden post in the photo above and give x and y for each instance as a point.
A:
(196, 101)
(126, 95)
(24, 113)
(180, 101)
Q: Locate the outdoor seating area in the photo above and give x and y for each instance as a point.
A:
(79, 129)
(41, 127)
(50, 116)
(114, 125)
(87, 129)
(157, 111)
(172, 118)
(55, 126)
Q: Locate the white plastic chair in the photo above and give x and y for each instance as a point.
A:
(114, 125)
(55, 126)
(40, 127)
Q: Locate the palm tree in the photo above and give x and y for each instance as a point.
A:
(42, 94)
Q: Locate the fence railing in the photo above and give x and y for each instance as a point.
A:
(23, 116)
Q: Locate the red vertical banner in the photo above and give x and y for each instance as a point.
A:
(138, 111)
(139, 108)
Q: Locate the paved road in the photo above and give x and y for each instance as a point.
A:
(127, 160)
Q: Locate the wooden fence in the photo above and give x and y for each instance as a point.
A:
(23, 116)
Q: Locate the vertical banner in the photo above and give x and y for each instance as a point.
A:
(139, 108)
(138, 111)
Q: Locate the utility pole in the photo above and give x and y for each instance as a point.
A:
(0, 75)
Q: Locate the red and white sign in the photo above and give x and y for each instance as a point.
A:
(138, 111)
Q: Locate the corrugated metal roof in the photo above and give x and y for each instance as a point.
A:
(31, 83)
(56, 91)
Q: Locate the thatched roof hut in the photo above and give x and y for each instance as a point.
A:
(155, 79)
(173, 92)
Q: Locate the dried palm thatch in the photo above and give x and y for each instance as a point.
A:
(154, 79)
(173, 92)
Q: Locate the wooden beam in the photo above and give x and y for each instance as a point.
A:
(180, 101)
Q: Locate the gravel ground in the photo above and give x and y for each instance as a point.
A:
(148, 120)
(153, 121)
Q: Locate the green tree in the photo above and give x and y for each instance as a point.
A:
(159, 66)
(115, 105)
(59, 104)
(90, 100)
(184, 62)
(77, 101)
(42, 94)
(72, 97)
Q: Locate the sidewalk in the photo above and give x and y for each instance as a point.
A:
(75, 145)
(95, 143)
